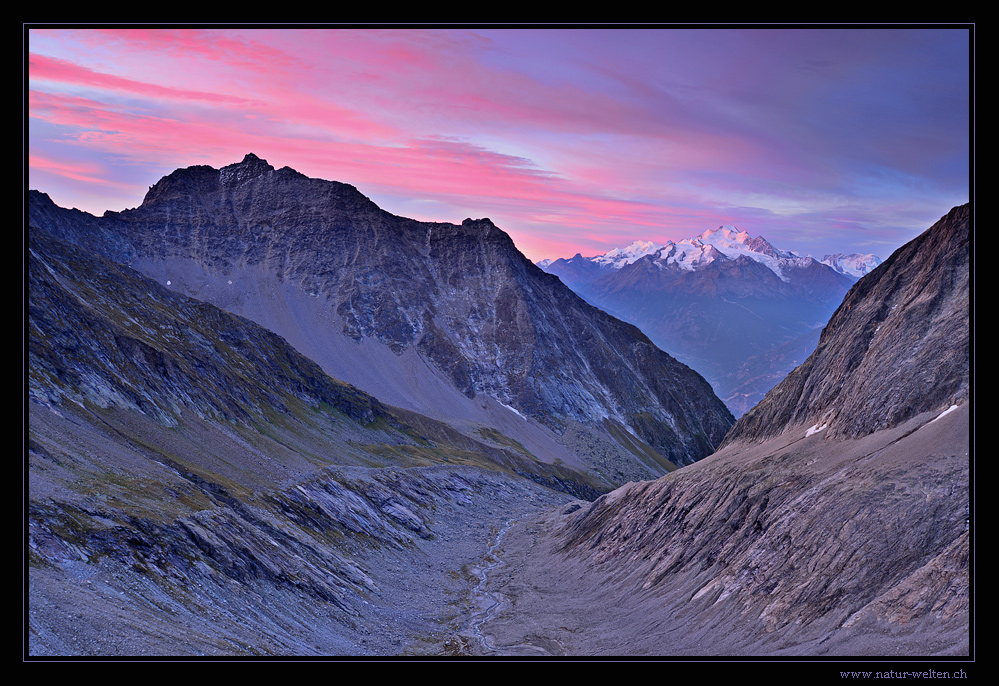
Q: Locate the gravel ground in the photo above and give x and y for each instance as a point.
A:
(421, 595)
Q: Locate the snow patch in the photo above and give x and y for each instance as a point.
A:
(854, 264)
(512, 409)
(619, 257)
(814, 429)
(945, 412)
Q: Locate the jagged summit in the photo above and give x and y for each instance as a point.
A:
(251, 167)
(727, 241)
(202, 179)
(729, 232)
(723, 243)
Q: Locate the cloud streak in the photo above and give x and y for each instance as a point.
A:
(571, 140)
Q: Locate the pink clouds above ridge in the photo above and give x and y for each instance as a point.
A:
(570, 140)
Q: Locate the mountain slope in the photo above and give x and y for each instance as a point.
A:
(197, 486)
(447, 320)
(852, 538)
(101, 336)
(898, 345)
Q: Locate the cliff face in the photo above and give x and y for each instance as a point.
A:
(898, 345)
(460, 298)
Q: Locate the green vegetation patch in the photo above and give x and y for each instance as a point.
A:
(427, 455)
(640, 449)
(498, 438)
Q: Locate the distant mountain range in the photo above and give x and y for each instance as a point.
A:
(732, 306)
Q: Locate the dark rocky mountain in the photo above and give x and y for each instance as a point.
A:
(725, 312)
(836, 519)
(450, 321)
(103, 337)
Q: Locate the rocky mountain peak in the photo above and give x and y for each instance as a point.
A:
(250, 168)
(458, 301)
(197, 179)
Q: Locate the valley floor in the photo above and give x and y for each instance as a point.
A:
(417, 599)
(602, 593)
(501, 567)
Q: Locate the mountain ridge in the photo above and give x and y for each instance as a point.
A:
(892, 312)
(724, 242)
(457, 301)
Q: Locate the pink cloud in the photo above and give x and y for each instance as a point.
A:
(575, 134)
(87, 172)
(51, 69)
(451, 172)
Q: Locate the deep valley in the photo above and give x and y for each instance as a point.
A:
(267, 418)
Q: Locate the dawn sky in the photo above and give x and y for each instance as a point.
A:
(571, 140)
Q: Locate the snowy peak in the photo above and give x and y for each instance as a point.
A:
(727, 243)
(732, 243)
(853, 264)
(690, 253)
(619, 257)
(725, 234)
(724, 243)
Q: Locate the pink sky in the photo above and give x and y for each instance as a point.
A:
(581, 140)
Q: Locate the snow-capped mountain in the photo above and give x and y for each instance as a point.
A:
(853, 264)
(725, 242)
(619, 257)
(731, 305)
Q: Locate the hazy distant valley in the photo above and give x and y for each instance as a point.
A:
(267, 417)
(730, 305)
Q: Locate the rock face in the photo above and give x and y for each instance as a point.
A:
(437, 318)
(835, 520)
(897, 346)
(102, 334)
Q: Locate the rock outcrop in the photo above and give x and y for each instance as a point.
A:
(897, 346)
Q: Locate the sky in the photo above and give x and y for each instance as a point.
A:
(822, 140)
